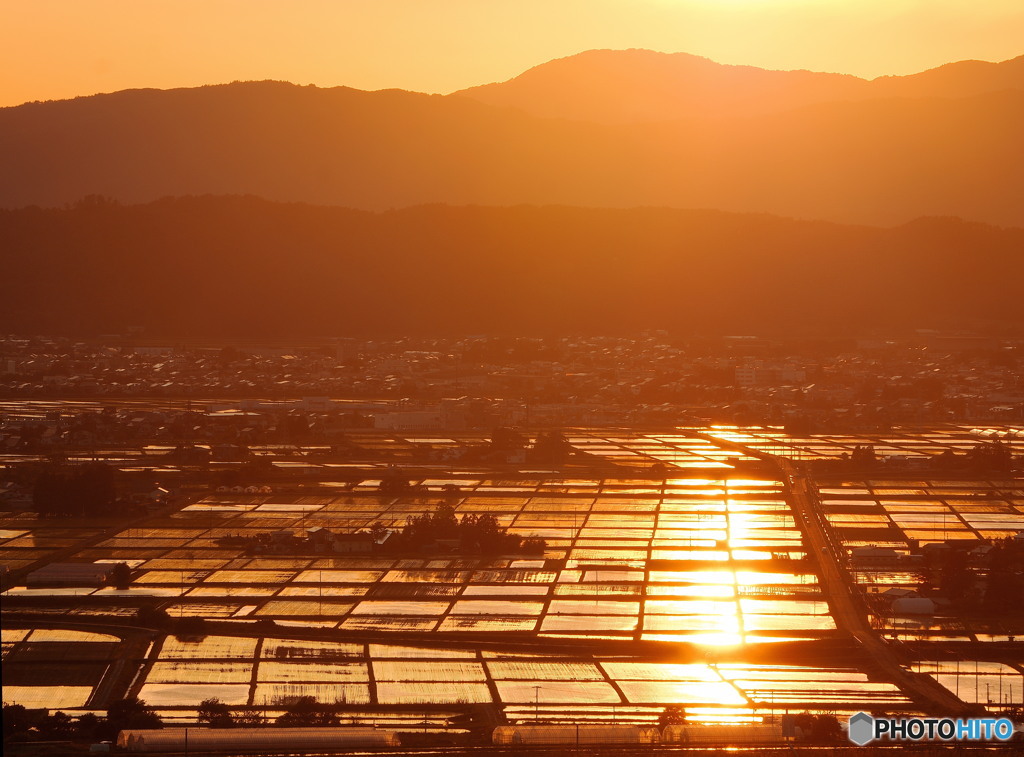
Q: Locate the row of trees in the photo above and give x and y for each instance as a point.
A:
(549, 447)
(995, 587)
(301, 712)
(22, 724)
(475, 533)
(995, 457)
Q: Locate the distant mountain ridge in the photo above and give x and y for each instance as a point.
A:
(221, 266)
(883, 160)
(632, 86)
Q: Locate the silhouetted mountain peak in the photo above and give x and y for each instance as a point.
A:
(622, 86)
(630, 86)
(960, 79)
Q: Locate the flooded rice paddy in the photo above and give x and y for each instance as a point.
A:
(648, 593)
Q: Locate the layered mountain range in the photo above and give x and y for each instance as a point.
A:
(606, 192)
(600, 129)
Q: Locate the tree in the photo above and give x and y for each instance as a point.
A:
(94, 483)
(250, 718)
(673, 714)
(820, 727)
(445, 522)
(826, 727)
(306, 711)
(51, 495)
(88, 726)
(378, 530)
(17, 720)
(393, 481)
(991, 457)
(121, 576)
(863, 455)
(194, 626)
(507, 440)
(551, 447)
(152, 617)
(483, 533)
(955, 579)
(215, 714)
(57, 726)
(130, 712)
(533, 545)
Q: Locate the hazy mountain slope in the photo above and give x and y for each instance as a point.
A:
(219, 265)
(629, 86)
(961, 79)
(877, 162)
(626, 86)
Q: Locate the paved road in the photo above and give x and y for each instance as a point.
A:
(847, 605)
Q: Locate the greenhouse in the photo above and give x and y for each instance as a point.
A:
(254, 739)
(583, 733)
(722, 734)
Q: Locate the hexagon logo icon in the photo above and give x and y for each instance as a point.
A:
(861, 728)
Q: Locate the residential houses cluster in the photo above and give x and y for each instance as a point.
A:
(483, 382)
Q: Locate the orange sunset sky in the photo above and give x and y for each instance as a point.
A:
(52, 49)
